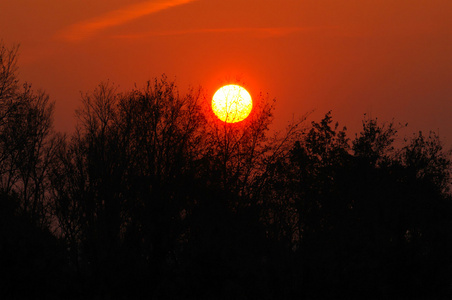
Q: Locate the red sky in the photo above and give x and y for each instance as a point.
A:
(387, 58)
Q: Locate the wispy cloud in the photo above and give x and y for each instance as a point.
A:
(263, 31)
(85, 29)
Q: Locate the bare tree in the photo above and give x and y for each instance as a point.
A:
(8, 80)
(27, 141)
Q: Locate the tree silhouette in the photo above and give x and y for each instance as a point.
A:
(27, 142)
(32, 259)
(153, 196)
(150, 179)
(356, 216)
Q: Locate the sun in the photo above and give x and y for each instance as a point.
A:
(232, 103)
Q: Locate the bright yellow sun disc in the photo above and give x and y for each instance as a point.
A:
(232, 103)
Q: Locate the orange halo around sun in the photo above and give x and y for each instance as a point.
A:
(232, 103)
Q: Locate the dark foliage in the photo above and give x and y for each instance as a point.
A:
(153, 197)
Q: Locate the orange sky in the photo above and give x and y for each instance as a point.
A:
(389, 58)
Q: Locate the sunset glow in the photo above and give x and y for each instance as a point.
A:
(232, 103)
(352, 57)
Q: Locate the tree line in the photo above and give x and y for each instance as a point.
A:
(152, 196)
